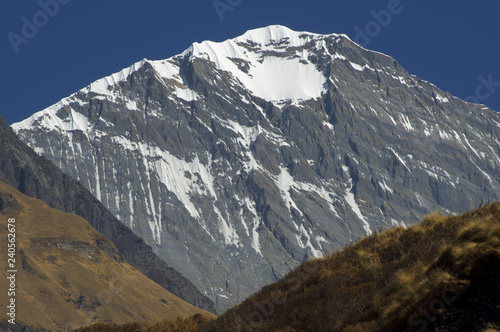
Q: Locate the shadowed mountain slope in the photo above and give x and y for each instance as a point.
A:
(36, 176)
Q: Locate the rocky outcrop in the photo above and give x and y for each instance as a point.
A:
(9, 204)
(19, 327)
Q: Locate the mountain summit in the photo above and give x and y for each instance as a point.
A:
(236, 161)
(263, 63)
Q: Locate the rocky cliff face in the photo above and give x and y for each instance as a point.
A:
(33, 175)
(238, 160)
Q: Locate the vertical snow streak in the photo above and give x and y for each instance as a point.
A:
(351, 200)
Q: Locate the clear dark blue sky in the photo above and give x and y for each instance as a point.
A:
(454, 44)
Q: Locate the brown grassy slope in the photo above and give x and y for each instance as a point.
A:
(401, 279)
(69, 275)
(191, 323)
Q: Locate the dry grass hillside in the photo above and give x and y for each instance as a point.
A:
(442, 274)
(69, 275)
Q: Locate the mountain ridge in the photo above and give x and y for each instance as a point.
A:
(225, 181)
(33, 175)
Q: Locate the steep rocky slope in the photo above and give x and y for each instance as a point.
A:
(35, 176)
(69, 275)
(237, 161)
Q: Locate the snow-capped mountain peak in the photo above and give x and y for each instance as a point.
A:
(276, 36)
(272, 62)
(237, 160)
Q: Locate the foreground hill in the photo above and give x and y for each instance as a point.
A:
(37, 177)
(70, 275)
(440, 275)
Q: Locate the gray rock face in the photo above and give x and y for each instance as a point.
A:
(238, 160)
(36, 176)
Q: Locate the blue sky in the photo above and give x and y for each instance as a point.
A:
(52, 48)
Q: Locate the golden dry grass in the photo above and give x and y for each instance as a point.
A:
(66, 280)
(188, 324)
